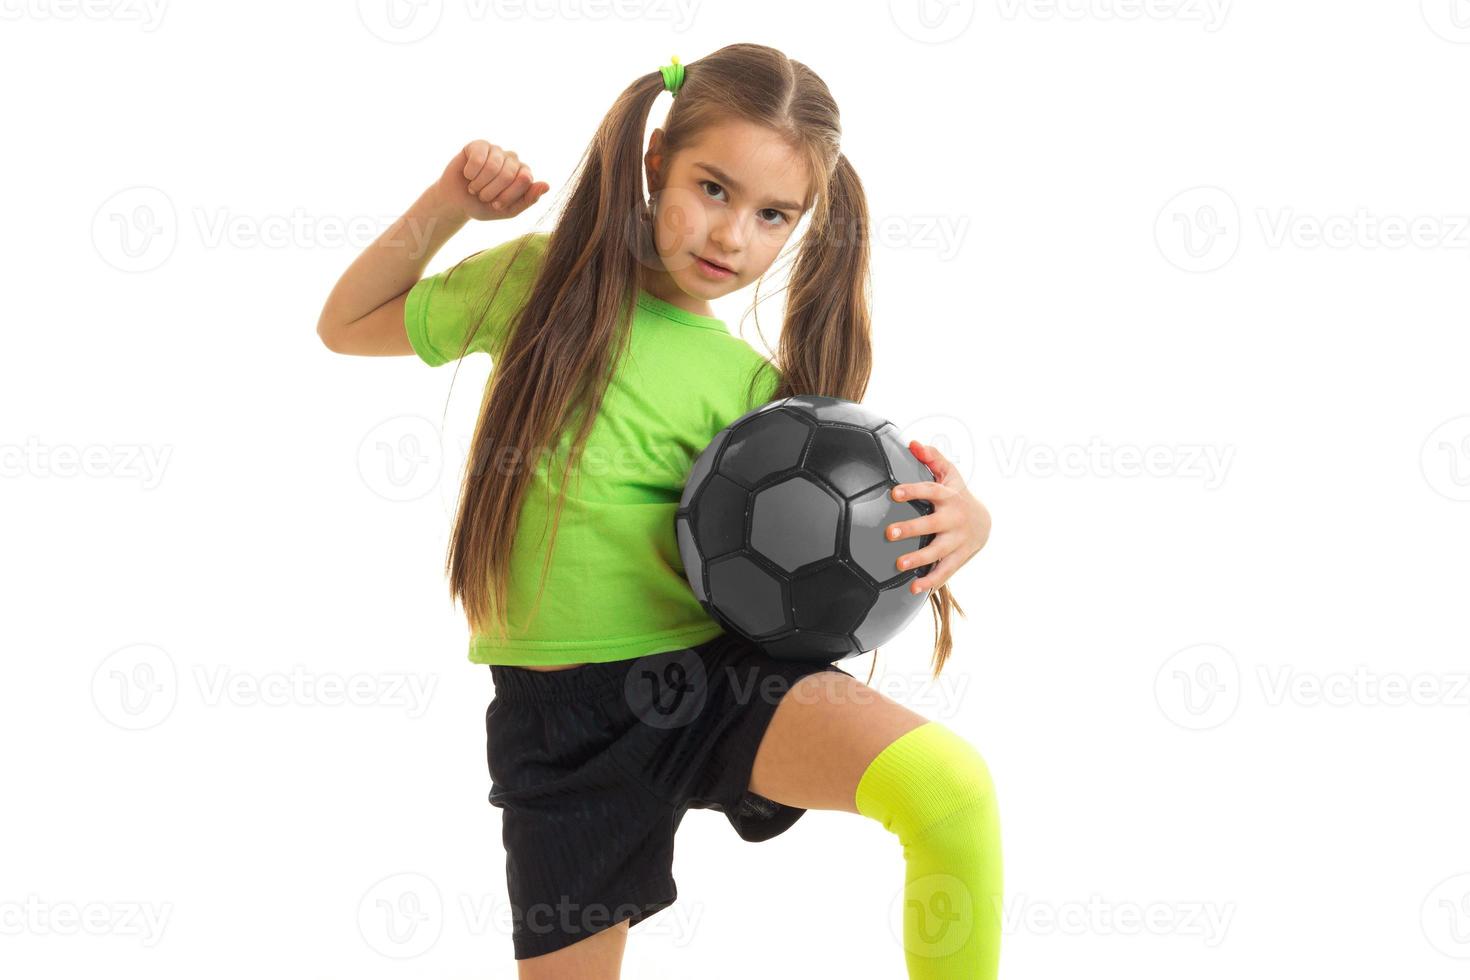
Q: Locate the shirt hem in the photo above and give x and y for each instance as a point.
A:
(548, 653)
(415, 307)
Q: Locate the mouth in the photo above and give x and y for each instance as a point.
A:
(715, 267)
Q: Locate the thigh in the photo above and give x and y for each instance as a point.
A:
(587, 849)
(824, 733)
(598, 957)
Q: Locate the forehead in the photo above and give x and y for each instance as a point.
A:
(764, 165)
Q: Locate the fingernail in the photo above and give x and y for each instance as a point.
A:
(497, 206)
(898, 495)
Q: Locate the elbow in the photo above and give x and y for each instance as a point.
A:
(329, 336)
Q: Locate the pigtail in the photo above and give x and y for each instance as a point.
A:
(556, 366)
(826, 345)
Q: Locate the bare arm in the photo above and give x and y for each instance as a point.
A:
(364, 312)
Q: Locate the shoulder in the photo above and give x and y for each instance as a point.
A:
(754, 374)
(524, 253)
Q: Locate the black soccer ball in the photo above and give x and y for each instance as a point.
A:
(781, 528)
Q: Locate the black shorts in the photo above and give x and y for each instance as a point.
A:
(595, 766)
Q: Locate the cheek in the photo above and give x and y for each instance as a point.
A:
(682, 222)
(768, 239)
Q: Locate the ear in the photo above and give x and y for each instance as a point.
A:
(653, 160)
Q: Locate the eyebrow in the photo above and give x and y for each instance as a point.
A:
(730, 182)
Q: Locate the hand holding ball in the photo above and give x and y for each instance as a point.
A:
(781, 528)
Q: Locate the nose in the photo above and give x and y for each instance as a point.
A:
(730, 232)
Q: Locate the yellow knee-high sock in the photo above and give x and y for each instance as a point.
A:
(932, 789)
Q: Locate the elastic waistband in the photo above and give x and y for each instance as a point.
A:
(573, 684)
(584, 683)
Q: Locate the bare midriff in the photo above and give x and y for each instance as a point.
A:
(552, 667)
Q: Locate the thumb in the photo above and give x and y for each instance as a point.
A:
(930, 457)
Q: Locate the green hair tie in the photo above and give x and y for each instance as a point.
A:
(673, 75)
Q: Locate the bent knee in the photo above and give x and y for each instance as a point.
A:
(926, 777)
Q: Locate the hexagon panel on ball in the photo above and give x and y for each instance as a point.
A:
(748, 595)
(795, 522)
(763, 447)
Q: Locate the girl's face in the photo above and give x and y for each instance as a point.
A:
(725, 205)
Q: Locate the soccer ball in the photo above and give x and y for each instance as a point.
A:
(781, 528)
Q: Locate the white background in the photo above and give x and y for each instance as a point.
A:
(1224, 693)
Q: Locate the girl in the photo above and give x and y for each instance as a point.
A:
(619, 704)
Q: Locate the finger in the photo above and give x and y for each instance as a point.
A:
(532, 196)
(475, 155)
(512, 195)
(502, 180)
(924, 489)
(919, 526)
(937, 576)
(936, 549)
(493, 164)
(938, 464)
(924, 454)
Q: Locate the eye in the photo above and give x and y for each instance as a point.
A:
(778, 217)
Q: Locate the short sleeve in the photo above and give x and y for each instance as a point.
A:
(440, 310)
(767, 381)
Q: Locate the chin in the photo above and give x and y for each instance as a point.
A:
(704, 289)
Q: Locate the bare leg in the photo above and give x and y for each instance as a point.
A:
(598, 957)
(836, 744)
(825, 731)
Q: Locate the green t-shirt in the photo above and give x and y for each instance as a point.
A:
(615, 588)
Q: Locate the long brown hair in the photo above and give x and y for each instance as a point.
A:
(566, 339)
